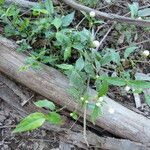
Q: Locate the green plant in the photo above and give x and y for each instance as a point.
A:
(50, 38)
(35, 120)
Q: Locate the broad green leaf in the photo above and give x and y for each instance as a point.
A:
(45, 103)
(79, 64)
(121, 82)
(89, 69)
(2, 2)
(115, 57)
(95, 113)
(57, 22)
(49, 6)
(134, 9)
(129, 50)
(107, 58)
(62, 38)
(139, 84)
(67, 20)
(147, 98)
(103, 89)
(31, 122)
(76, 79)
(65, 66)
(67, 53)
(54, 118)
(85, 35)
(144, 12)
(114, 80)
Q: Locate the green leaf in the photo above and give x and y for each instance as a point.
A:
(103, 89)
(76, 79)
(107, 58)
(134, 9)
(95, 113)
(67, 20)
(79, 64)
(128, 51)
(67, 53)
(114, 80)
(65, 66)
(45, 103)
(115, 57)
(53, 118)
(62, 38)
(89, 69)
(2, 2)
(49, 6)
(139, 84)
(31, 122)
(57, 22)
(147, 98)
(144, 12)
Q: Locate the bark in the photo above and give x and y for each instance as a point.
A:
(66, 135)
(52, 84)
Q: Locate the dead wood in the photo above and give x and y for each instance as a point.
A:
(68, 136)
(52, 84)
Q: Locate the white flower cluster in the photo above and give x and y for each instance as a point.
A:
(100, 101)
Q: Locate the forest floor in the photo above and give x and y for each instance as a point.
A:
(42, 139)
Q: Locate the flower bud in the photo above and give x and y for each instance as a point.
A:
(146, 53)
(96, 43)
(92, 14)
(98, 104)
(127, 88)
(101, 99)
(86, 102)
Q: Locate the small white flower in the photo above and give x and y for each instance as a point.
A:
(97, 76)
(98, 104)
(101, 99)
(139, 18)
(127, 88)
(82, 98)
(146, 53)
(96, 43)
(86, 102)
(92, 14)
(111, 110)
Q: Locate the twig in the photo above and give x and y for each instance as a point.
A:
(103, 39)
(134, 44)
(109, 16)
(24, 102)
(84, 127)
(136, 99)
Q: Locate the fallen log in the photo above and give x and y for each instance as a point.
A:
(68, 136)
(52, 84)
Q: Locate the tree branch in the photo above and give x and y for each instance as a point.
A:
(109, 16)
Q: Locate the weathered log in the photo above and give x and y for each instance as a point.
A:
(67, 135)
(52, 84)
